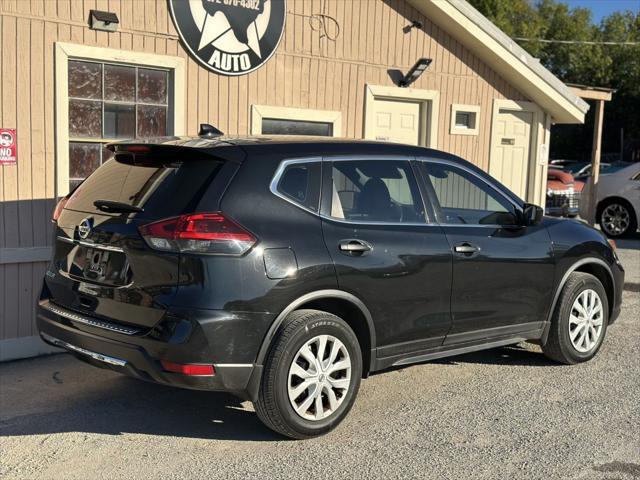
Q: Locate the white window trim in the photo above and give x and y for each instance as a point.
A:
(456, 130)
(67, 51)
(258, 112)
(429, 99)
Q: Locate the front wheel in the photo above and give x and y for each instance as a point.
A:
(311, 376)
(579, 322)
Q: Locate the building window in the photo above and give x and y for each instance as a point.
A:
(464, 119)
(267, 120)
(279, 126)
(109, 102)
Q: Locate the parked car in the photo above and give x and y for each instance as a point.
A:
(562, 163)
(582, 171)
(618, 201)
(563, 193)
(284, 270)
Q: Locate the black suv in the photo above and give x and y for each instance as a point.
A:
(284, 270)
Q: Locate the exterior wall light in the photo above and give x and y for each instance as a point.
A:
(103, 21)
(415, 72)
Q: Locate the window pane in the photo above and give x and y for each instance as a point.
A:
(463, 119)
(85, 79)
(119, 83)
(85, 119)
(119, 121)
(276, 126)
(465, 199)
(152, 121)
(84, 158)
(301, 183)
(152, 86)
(376, 191)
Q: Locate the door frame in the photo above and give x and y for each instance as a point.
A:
(535, 186)
(429, 104)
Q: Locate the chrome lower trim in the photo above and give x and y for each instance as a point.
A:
(96, 356)
(92, 322)
(234, 365)
(97, 246)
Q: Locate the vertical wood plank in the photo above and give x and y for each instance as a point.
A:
(38, 171)
(25, 192)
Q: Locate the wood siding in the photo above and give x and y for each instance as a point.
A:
(309, 70)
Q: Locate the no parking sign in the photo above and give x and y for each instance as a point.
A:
(8, 146)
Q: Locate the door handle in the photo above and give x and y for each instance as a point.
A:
(354, 247)
(466, 249)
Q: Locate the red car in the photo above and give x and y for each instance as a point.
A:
(563, 193)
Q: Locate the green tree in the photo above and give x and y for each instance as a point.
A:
(612, 66)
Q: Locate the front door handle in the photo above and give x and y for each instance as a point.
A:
(354, 247)
(466, 249)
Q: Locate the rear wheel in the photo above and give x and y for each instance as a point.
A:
(617, 218)
(579, 322)
(311, 375)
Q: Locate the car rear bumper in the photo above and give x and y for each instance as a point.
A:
(139, 356)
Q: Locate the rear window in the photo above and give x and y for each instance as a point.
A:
(160, 189)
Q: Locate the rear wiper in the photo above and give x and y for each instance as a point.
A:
(109, 206)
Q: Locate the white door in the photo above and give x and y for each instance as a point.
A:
(511, 143)
(396, 121)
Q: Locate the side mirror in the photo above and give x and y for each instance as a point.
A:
(532, 214)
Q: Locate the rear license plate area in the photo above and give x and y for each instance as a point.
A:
(101, 266)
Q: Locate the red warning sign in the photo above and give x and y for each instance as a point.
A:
(8, 146)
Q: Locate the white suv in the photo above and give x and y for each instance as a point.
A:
(618, 203)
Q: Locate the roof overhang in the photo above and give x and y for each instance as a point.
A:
(592, 93)
(506, 57)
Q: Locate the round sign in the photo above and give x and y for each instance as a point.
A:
(230, 37)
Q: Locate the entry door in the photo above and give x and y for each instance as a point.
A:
(503, 273)
(511, 145)
(384, 252)
(396, 121)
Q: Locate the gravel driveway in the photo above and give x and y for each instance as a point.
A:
(503, 413)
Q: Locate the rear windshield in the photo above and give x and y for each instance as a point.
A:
(160, 189)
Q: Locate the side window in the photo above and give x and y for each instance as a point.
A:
(466, 199)
(300, 183)
(375, 191)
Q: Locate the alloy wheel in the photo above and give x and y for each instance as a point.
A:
(615, 219)
(585, 321)
(319, 377)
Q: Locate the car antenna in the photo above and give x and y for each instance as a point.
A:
(209, 131)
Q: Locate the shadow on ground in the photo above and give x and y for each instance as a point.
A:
(116, 404)
(113, 405)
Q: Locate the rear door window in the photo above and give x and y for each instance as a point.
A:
(375, 191)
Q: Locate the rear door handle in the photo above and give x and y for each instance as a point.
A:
(466, 248)
(354, 247)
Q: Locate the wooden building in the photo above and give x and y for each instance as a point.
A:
(336, 69)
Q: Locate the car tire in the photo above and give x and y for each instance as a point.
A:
(283, 386)
(576, 310)
(617, 218)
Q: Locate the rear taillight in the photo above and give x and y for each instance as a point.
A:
(198, 233)
(59, 207)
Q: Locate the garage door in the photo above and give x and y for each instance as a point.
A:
(396, 121)
(511, 139)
